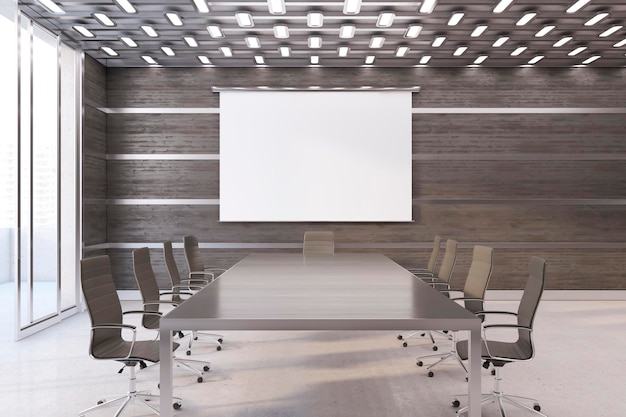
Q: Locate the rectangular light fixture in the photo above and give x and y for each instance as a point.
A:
(369, 60)
(51, 6)
(479, 30)
(402, 51)
(128, 41)
(351, 6)
(579, 4)
(347, 31)
(524, 20)
(215, 31)
(204, 59)
(519, 50)
(620, 44)
(149, 59)
(385, 19)
(315, 42)
(577, 51)
(377, 42)
(428, 6)
(191, 41)
(244, 19)
(259, 60)
(456, 18)
(439, 40)
(83, 31)
(562, 41)
(174, 18)
(460, 51)
(500, 41)
(126, 6)
(544, 31)
(591, 59)
(281, 31)
(343, 51)
(610, 31)
(226, 51)
(502, 6)
(425, 59)
(253, 42)
(315, 19)
(109, 51)
(168, 51)
(284, 51)
(149, 30)
(596, 19)
(413, 31)
(535, 60)
(315, 60)
(103, 19)
(480, 59)
(202, 7)
(276, 6)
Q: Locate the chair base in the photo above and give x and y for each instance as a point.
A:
(213, 338)
(422, 333)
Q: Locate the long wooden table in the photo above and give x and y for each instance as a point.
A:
(351, 291)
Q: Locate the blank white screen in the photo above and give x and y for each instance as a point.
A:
(315, 156)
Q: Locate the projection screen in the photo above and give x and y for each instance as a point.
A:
(315, 156)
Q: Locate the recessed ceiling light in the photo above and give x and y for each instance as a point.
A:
(347, 31)
(620, 44)
(425, 59)
(351, 6)
(544, 31)
(281, 31)
(439, 40)
(413, 31)
(456, 18)
(591, 59)
(385, 19)
(502, 6)
(577, 6)
(315, 19)
(259, 60)
(315, 41)
(168, 51)
(126, 6)
(479, 30)
(519, 50)
(460, 51)
(284, 51)
(215, 31)
(369, 60)
(596, 19)
(535, 59)
(577, 51)
(343, 51)
(149, 30)
(244, 19)
(128, 41)
(315, 60)
(480, 59)
(83, 31)
(610, 31)
(174, 19)
(109, 51)
(377, 42)
(202, 7)
(402, 51)
(528, 16)
(51, 6)
(276, 6)
(226, 51)
(103, 19)
(253, 42)
(428, 6)
(204, 59)
(562, 41)
(500, 41)
(191, 41)
(149, 59)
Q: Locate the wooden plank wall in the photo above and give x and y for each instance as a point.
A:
(528, 160)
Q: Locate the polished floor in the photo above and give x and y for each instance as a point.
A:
(579, 371)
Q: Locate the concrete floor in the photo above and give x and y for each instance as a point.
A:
(579, 371)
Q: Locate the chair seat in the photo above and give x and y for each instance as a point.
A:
(511, 350)
(145, 350)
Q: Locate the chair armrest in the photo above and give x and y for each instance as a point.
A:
(174, 293)
(436, 284)
(204, 273)
(120, 326)
(467, 299)
(502, 326)
(149, 313)
(486, 312)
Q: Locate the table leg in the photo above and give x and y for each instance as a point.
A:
(474, 383)
(165, 355)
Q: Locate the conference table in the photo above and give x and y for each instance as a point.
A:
(343, 291)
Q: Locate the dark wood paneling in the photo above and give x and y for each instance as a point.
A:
(162, 133)
(94, 224)
(94, 83)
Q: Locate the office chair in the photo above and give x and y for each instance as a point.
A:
(473, 298)
(429, 271)
(188, 286)
(152, 301)
(318, 243)
(107, 342)
(499, 353)
(195, 261)
(440, 282)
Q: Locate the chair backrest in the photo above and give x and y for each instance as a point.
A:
(318, 242)
(147, 283)
(432, 261)
(102, 301)
(448, 262)
(194, 259)
(530, 301)
(170, 263)
(478, 277)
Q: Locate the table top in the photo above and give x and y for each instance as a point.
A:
(351, 291)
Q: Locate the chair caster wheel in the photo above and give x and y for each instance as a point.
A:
(431, 374)
(456, 403)
(399, 337)
(219, 348)
(101, 402)
(177, 405)
(419, 363)
(435, 348)
(200, 379)
(220, 340)
(206, 368)
(405, 344)
(536, 407)
(188, 352)
(423, 334)
(195, 338)
(493, 372)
